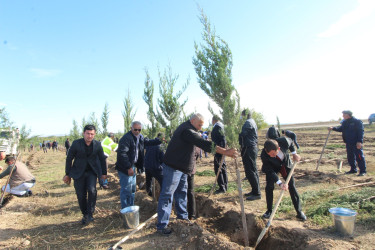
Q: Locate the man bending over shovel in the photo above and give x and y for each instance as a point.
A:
(275, 159)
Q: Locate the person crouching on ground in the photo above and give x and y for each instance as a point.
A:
(88, 165)
(275, 159)
(178, 163)
(21, 179)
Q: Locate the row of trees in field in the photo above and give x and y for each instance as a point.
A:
(213, 65)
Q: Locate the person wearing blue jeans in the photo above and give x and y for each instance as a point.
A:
(352, 134)
(130, 155)
(178, 163)
(128, 188)
(174, 187)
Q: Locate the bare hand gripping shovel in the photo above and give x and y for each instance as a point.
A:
(275, 208)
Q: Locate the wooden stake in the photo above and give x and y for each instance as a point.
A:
(244, 224)
(133, 232)
(275, 208)
(325, 144)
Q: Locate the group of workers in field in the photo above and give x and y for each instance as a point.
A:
(174, 168)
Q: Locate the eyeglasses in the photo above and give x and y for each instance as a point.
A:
(135, 129)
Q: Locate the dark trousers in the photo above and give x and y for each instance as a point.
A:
(157, 174)
(249, 156)
(292, 191)
(191, 206)
(85, 187)
(222, 179)
(294, 139)
(356, 156)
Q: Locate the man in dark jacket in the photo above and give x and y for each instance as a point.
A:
(291, 135)
(153, 160)
(130, 155)
(67, 145)
(352, 133)
(179, 161)
(218, 137)
(275, 159)
(272, 133)
(248, 139)
(88, 165)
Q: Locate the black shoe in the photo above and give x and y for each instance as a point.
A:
(219, 191)
(84, 220)
(249, 194)
(351, 172)
(165, 231)
(254, 197)
(361, 174)
(267, 214)
(301, 216)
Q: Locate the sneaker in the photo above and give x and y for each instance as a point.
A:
(361, 174)
(301, 216)
(351, 172)
(267, 214)
(165, 231)
(254, 197)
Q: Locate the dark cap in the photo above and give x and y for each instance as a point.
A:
(347, 112)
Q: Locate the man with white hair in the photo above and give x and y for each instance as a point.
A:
(179, 161)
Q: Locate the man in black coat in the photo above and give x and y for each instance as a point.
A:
(275, 159)
(248, 139)
(178, 163)
(88, 165)
(218, 137)
(130, 155)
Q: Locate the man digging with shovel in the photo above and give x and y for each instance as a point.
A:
(275, 159)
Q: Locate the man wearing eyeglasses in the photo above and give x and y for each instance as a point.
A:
(130, 155)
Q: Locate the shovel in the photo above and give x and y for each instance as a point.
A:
(275, 208)
(325, 144)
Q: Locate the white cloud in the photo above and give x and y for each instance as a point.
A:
(318, 88)
(44, 72)
(364, 9)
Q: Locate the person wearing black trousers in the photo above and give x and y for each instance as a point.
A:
(218, 137)
(248, 139)
(275, 159)
(89, 164)
(291, 135)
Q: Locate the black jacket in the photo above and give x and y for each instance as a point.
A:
(180, 150)
(127, 148)
(77, 152)
(249, 134)
(271, 166)
(217, 135)
(352, 131)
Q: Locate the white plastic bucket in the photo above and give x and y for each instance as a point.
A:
(344, 220)
(130, 216)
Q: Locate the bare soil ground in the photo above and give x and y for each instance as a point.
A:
(50, 218)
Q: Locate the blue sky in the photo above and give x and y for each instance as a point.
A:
(302, 61)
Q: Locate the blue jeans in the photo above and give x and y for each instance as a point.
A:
(128, 187)
(174, 186)
(356, 156)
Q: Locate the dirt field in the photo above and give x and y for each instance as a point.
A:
(50, 218)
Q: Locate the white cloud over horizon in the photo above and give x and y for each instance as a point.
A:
(364, 9)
